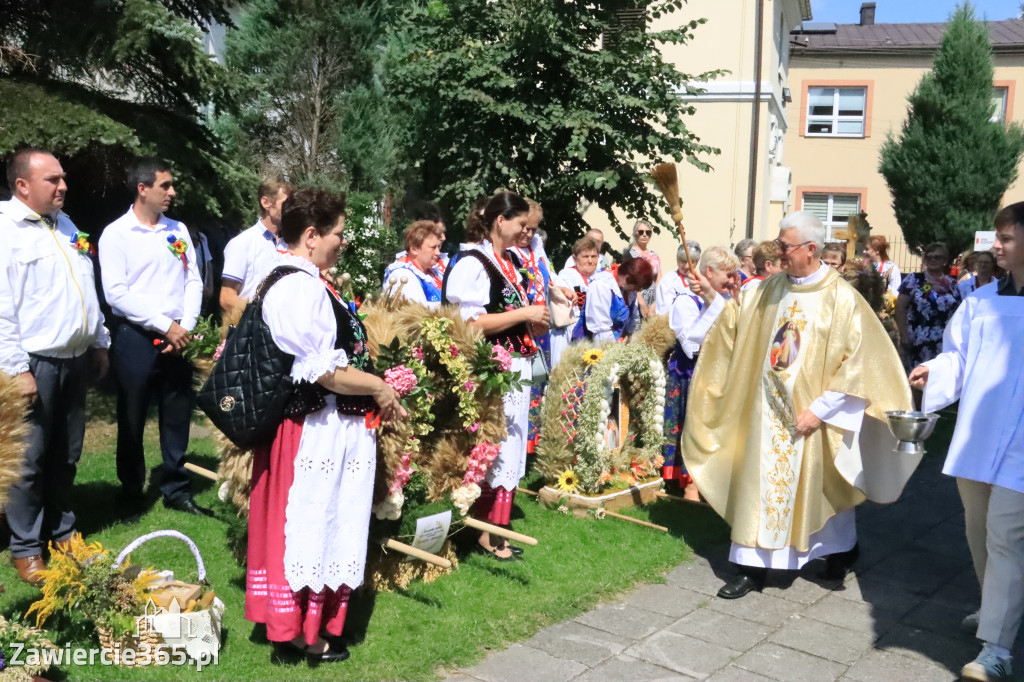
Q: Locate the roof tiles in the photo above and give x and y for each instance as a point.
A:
(1005, 35)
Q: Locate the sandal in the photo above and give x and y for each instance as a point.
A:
(493, 551)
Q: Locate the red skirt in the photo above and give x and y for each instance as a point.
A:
(268, 598)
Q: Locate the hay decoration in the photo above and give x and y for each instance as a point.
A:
(656, 334)
(13, 433)
(575, 433)
(387, 572)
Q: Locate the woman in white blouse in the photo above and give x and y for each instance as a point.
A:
(585, 252)
(309, 510)
(877, 252)
(611, 311)
(487, 285)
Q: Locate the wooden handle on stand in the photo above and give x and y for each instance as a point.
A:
(397, 546)
(637, 521)
(499, 531)
(205, 473)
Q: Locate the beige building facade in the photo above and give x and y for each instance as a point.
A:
(850, 87)
(715, 204)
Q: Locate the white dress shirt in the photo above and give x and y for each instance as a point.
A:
(143, 280)
(250, 256)
(48, 302)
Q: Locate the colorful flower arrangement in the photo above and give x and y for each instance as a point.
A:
(575, 449)
(80, 240)
(178, 247)
(204, 340)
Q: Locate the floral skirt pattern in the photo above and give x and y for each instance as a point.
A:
(536, 395)
(680, 371)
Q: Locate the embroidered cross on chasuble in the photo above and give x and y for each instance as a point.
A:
(765, 360)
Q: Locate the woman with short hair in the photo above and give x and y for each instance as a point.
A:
(611, 311)
(416, 275)
(982, 272)
(926, 302)
(309, 510)
(586, 254)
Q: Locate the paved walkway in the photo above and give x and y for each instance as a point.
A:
(897, 618)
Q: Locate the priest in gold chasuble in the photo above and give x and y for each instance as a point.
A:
(785, 429)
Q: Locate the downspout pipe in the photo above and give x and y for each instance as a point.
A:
(755, 124)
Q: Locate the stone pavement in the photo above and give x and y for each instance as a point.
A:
(896, 618)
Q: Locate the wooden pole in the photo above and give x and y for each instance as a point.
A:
(632, 520)
(499, 531)
(526, 492)
(205, 473)
(397, 546)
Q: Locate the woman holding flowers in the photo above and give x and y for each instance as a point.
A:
(312, 487)
(487, 285)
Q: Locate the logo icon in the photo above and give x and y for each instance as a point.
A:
(227, 403)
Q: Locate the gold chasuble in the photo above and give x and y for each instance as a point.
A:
(764, 361)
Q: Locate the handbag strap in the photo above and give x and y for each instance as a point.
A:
(271, 279)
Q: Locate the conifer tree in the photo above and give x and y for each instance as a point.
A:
(951, 163)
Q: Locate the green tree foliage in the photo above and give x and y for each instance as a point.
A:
(568, 103)
(314, 110)
(950, 165)
(100, 82)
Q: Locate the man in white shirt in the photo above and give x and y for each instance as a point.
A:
(675, 284)
(151, 281)
(51, 337)
(251, 255)
(980, 365)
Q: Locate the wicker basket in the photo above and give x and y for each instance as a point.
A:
(144, 647)
(146, 642)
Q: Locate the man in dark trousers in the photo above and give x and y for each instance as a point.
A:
(151, 281)
(51, 338)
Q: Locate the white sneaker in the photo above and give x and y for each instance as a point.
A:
(969, 625)
(987, 667)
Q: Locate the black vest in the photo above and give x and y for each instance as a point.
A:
(309, 398)
(503, 298)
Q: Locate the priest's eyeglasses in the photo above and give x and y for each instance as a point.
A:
(786, 248)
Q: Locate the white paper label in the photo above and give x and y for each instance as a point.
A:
(431, 532)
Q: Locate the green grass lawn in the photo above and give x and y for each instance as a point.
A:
(407, 635)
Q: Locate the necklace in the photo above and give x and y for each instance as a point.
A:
(586, 280)
(508, 269)
(534, 276)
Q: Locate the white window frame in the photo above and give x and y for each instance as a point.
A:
(999, 115)
(835, 119)
(830, 222)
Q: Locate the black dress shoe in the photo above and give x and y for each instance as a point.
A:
(838, 565)
(740, 586)
(515, 549)
(188, 506)
(286, 652)
(493, 552)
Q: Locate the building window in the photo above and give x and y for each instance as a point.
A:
(1000, 95)
(836, 112)
(832, 209)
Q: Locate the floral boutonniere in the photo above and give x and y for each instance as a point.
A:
(80, 240)
(178, 247)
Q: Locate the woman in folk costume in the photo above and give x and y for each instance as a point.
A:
(309, 510)
(719, 266)
(877, 252)
(611, 311)
(487, 285)
(586, 253)
(416, 276)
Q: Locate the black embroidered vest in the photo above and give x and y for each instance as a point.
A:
(309, 398)
(503, 298)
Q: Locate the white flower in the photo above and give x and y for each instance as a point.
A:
(463, 497)
(224, 492)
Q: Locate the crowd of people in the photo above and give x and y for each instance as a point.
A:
(780, 376)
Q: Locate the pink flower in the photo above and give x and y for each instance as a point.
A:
(469, 386)
(357, 348)
(401, 378)
(453, 349)
(220, 350)
(474, 427)
(510, 307)
(502, 357)
(417, 352)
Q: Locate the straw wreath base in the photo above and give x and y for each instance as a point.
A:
(642, 493)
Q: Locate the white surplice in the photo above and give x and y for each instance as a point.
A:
(981, 366)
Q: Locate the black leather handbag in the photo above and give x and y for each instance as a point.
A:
(250, 386)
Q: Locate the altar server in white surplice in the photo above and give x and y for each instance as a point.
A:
(981, 366)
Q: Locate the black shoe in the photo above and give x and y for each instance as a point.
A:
(493, 552)
(838, 565)
(286, 652)
(132, 502)
(740, 586)
(515, 549)
(189, 506)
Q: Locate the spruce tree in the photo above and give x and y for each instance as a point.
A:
(951, 164)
